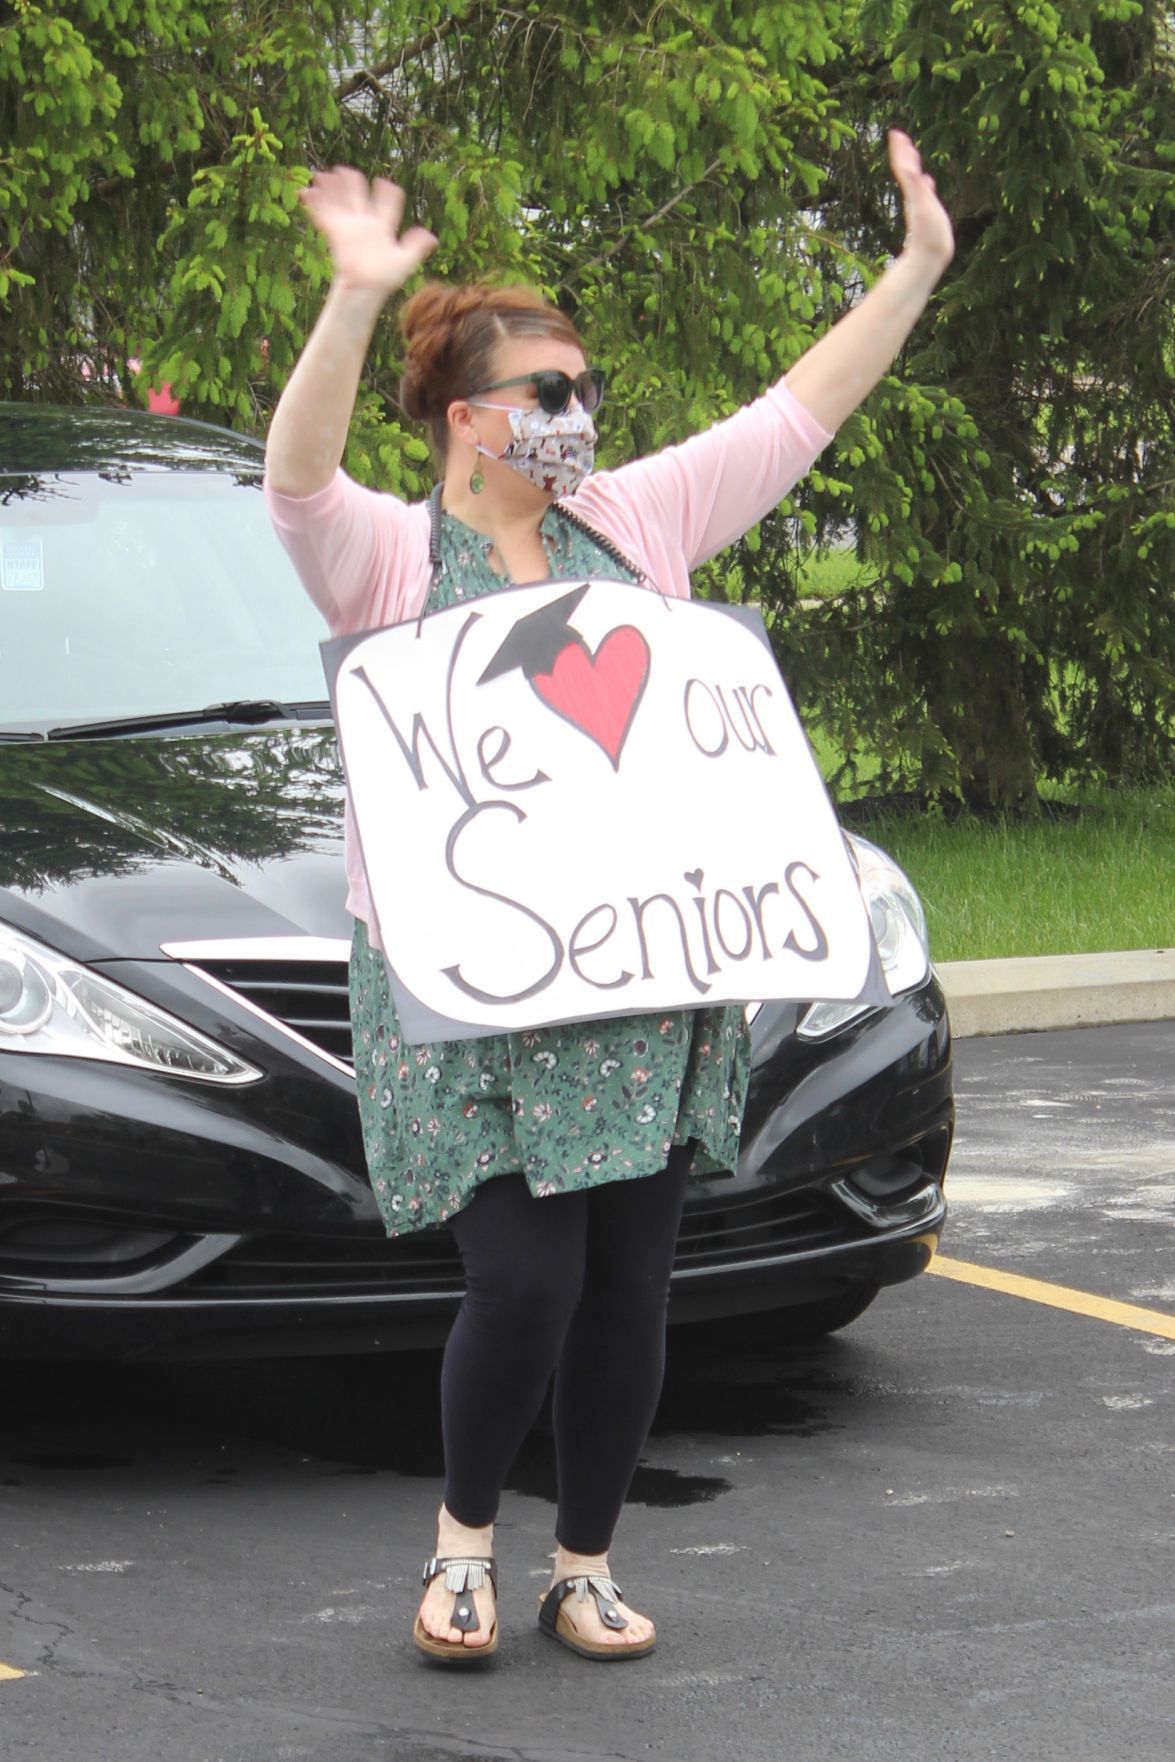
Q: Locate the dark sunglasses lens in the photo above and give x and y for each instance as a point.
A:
(555, 389)
(591, 388)
(554, 392)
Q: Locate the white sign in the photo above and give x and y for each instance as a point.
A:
(584, 800)
(22, 568)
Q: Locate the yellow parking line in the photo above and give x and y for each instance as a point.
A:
(8, 1672)
(1124, 1315)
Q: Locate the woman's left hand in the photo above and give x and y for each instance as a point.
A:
(841, 368)
(928, 226)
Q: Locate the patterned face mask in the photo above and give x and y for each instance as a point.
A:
(555, 453)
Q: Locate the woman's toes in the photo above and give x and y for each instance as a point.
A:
(639, 1629)
(436, 1621)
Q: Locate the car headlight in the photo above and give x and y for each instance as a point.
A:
(898, 923)
(50, 1004)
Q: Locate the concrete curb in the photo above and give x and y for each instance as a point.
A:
(1059, 991)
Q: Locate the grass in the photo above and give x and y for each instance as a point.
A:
(825, 576)
(1099, 880)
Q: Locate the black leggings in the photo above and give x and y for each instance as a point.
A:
(575, 1284)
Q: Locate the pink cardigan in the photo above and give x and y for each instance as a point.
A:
(363, 555)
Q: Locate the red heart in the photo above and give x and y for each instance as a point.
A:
(599, 693)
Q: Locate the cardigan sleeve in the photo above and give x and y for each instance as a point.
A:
(350, 546)
(706, 492)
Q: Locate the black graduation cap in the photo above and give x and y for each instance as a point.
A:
(536, 640)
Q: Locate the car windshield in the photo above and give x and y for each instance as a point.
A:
(146, 593)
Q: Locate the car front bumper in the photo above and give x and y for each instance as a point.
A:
(148, 1217)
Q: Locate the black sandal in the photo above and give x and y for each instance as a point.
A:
(555, 1618)
(463, 1576)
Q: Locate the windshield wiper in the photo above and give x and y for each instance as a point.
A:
(18, 734)
(243, 710)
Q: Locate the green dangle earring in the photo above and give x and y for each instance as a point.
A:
(477, 482)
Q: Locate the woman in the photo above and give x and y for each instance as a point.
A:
(558, 1158)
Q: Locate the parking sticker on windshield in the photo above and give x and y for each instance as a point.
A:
(22, 566)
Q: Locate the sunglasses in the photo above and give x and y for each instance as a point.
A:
(554, 389)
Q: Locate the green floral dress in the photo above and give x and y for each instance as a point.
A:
(570, 1106)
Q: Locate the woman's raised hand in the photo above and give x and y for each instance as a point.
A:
(928, 226)
(360, 222)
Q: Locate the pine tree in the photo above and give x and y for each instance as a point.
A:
(702, 186)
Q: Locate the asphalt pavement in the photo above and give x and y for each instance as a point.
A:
(948, 1532)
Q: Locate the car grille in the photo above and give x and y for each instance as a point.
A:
(311, 997)
(711, 1236)
(761, 1229)
(289, 1266)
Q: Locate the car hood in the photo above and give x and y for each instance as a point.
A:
(111, 848)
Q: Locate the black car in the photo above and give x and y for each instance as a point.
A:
(181, 1169)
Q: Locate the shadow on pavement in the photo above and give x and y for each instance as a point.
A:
(380, 1414)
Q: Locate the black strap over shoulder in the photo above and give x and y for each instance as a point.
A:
(606, 545)
(434, 534)
(609, 549)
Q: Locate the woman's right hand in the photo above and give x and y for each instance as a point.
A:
(360, 223)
